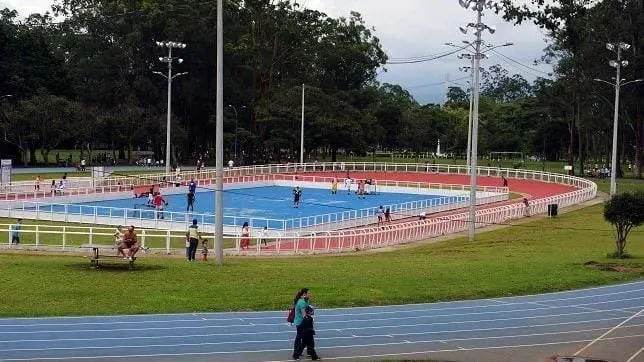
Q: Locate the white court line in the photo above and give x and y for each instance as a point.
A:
(337, 329)
(389, 335)
(635, 355)
(325, 320)
(608, 332)
(280, 312)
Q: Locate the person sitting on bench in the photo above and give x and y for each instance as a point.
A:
(131, 244)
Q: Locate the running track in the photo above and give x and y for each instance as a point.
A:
(608, 320)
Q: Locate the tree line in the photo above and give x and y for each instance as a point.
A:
(87, 82)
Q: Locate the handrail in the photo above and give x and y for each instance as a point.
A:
(403, 232)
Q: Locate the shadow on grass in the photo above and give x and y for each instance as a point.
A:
(116, 267)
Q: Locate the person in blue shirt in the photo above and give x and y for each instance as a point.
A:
(15, 232)
(300, 302)
(192, 186)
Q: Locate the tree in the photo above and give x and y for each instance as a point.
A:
(625, 211)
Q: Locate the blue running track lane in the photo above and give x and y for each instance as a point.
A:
(607, 322)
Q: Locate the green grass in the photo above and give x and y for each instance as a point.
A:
(511, 261)
(48, 176)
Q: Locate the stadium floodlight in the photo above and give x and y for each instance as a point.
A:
(619, 82)
(478, 6)
(169, 60)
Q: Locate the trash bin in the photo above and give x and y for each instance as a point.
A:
(552, 210)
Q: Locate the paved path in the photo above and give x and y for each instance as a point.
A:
(606, 322)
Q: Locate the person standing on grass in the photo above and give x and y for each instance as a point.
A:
(204, 250)
(15, 232)
(193, 236)
(300, 302)
(245, 236)
(526, 203)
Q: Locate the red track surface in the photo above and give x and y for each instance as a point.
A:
(532, 189)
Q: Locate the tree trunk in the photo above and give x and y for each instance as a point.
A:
(334, 154)
(571, 145)
(32, 155)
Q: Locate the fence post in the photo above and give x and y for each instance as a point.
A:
(143, 238)
(91, 235)
(64, 236)
(167, 242)
(37, 235)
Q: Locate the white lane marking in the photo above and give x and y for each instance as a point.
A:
(325, 319)
(635, 355)
(326, 358)
(608, 332)
(280, 313)
(391, 335)
(404, 341)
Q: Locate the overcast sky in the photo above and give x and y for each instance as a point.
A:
(412, 28)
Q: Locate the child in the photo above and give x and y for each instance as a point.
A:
(308, 332)
(204, 250)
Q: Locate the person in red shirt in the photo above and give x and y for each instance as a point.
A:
(158, 203)
(131, 243)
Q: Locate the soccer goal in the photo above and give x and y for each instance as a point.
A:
(506, 156)
(507, 159)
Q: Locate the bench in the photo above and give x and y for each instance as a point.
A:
(106, 253)
(144, 190)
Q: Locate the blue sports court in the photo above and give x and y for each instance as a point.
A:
(270, 205)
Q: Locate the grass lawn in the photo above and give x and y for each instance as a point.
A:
(544, 255)
(58, 175)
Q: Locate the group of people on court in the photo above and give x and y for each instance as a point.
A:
(363, 187)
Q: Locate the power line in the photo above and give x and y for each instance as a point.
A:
(438, 83)
(521, 64)
(393, 61)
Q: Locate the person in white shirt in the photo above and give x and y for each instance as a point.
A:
(263, 236)
(231, 163)
(347, 184)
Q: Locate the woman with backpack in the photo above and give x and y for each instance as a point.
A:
(300, 303)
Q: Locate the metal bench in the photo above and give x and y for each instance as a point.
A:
(102, 254)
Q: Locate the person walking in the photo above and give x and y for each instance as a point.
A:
(193, 236)
(308, 333)
(300, 302)
(245, 236)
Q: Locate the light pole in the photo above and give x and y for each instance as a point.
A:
(219, 140)
(470, 56)
(236, 120)
(169, 60)
(302, 130)
(617, 64)
(478, 6)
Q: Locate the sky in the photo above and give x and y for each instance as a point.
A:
(414, 28)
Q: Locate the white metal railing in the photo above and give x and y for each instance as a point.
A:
(396, 233)
(70, 211)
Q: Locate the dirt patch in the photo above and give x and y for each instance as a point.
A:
(615, 267)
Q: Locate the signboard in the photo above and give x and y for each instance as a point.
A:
(98, 173)
(5, 172)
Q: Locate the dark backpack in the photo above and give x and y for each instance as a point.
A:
(290, 316)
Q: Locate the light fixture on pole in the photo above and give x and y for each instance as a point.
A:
(619, 82)
(219, 139)
(470, 56)
(236, 122)
(478, 6)
(169, 60)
